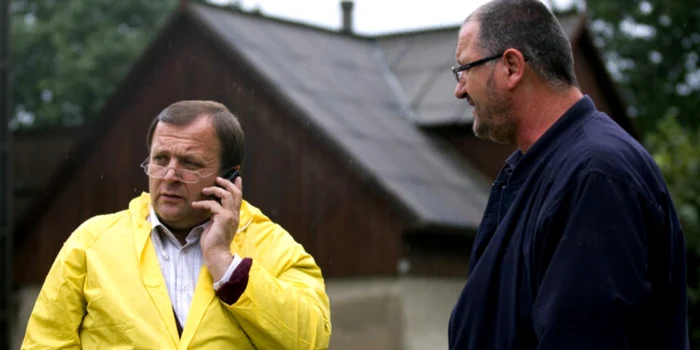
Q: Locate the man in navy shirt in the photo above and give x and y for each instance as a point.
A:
(580, 246)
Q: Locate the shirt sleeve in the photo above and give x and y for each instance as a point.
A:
(595, 277)
(229, 272)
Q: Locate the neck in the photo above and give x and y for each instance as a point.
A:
(180, 234)
(539, 110)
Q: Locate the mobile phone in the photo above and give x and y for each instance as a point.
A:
(231, 175)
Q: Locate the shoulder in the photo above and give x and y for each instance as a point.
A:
(96, 227)
(264, 240)
(598, 149)
(600, 145)
(259, 228)
(606, 147)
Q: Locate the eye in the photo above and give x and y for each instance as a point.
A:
(188, 164)
(160, 159)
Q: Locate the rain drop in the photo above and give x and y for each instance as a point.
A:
(404, 266)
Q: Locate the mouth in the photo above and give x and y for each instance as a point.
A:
(171, 196)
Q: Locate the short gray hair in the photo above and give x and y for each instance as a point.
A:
(531, 28)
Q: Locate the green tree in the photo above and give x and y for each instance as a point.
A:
(652, 48)
(67, 56)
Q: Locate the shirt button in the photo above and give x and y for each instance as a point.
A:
(165, 256)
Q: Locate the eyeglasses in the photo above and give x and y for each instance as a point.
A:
(159, 172)
(458, 70)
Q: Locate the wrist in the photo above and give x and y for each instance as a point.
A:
(218, 261)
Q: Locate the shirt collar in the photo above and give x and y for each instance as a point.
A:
(152, 218)
(560, 131)
(555, 136)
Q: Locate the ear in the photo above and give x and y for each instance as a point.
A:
(514, 63)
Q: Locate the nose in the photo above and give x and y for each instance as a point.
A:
(171, 176)
(461, 89)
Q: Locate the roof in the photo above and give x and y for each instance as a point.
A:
(344, 86)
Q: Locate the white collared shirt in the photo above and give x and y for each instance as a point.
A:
(180, 264)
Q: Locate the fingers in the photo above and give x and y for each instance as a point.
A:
(231, 195)
(233, 187)
(234, 191)
(209, 205)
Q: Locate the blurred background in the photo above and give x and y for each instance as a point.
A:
(355, 143)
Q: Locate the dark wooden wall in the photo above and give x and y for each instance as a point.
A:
(350, 227)
(37, 154)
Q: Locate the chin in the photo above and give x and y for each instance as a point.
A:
(168, 212)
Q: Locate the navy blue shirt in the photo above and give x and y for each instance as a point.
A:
(580, 247)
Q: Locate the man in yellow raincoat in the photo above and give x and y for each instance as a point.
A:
(189, 264)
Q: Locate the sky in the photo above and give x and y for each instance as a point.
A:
(371, 16)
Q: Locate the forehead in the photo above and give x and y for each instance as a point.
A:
(198, 137)
(467, 42)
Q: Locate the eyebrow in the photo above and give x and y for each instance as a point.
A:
(191, 158)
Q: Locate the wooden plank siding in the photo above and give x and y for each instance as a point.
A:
(37, 154)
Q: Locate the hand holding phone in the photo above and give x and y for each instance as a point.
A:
(215, 240)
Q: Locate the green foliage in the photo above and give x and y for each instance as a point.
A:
(68, 56)
(652, 48)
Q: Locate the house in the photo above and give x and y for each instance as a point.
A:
(355, 145)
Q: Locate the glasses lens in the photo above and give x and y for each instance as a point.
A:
(159, 172)
(155, 170)
(188, 175)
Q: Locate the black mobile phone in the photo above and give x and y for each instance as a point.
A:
(231, 175)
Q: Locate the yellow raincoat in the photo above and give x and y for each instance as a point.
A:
(106, 290)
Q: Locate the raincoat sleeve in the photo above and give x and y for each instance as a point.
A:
(277, 293)
(60, 306)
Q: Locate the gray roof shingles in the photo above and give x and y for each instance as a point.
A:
(343, 84)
